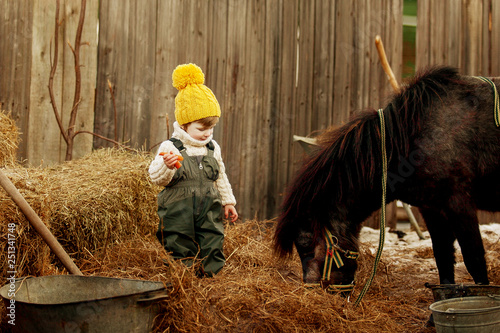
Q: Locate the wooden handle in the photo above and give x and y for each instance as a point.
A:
(38, 225)
(385, 63)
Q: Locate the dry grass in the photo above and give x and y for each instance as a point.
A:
(9, 139)
(255, 292)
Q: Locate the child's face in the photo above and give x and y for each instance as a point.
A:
(198, 131)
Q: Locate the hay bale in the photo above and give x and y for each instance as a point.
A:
(31, 250)
(9, 139)
(86, 203)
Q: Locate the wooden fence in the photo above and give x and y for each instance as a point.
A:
(277, 67)
(460, 33)
(26, 56)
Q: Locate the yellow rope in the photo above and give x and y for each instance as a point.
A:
(382, 210)
(496, 111)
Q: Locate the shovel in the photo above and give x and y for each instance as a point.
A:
(395, 87)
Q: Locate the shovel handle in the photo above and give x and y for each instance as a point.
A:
(38, 225)
(385, 63)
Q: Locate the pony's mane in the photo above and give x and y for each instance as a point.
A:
(349, 158)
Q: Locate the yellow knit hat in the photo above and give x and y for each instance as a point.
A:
(194, 101)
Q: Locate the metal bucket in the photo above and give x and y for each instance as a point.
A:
(71, 303)
(446, 291)
(475, 314)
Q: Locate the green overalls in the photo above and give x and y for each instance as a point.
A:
(190, 211)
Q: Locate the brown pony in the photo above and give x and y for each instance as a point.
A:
(443, 153)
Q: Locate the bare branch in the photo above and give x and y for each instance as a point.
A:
(71, 131)
(114, 108)
(52, 74)
(78, 75)
(105, 138)
(78, 79)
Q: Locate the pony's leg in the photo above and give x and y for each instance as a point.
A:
(442, 237)
(467, 231)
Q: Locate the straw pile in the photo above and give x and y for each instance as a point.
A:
(257, 293)
(9, 139)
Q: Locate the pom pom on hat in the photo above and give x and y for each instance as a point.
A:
(187, 74)
(194, 101)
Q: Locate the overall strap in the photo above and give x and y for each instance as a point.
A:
(211, 147)
(178, 144)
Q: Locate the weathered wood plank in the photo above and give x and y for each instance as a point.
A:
(140, 72)
(362, 45)
(272, 63)
(323, 62)
(83, 143)
(344, 50)
(15, 63)
(377, 79)
(287, 105)
(234, 97)
(217, 62)
(128, 63)
(113, 60)
(485, 55)
(495, 39)
(455, 40)
(472, 34)
(44, 142)
(251, 132)
(167, 58)
(422, 57)
(305, 71)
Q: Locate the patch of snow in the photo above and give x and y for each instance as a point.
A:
(370, 237)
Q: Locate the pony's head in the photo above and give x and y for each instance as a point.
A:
(317, 215)
(328, 260)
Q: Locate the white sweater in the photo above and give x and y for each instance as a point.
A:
(161, 175)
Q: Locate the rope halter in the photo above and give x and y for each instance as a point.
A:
(334, 255)
(496, 111)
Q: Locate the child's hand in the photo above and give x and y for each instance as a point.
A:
(230, 210)
(171, 160)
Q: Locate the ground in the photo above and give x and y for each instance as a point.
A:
(256, 292)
